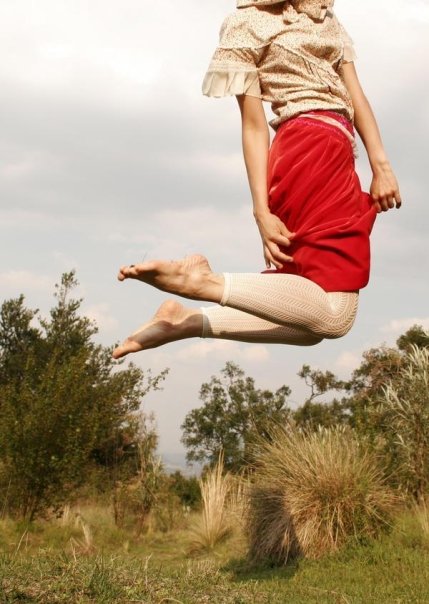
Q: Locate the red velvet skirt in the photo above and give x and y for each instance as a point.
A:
(314, 189)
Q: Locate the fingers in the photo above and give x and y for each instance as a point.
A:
(285, 233)
(274, 256)
(398, 199)
(388, 202)
(385, 192)
(282, 240)
(386, 198)
(377, 207)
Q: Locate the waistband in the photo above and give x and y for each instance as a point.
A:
(335, 119)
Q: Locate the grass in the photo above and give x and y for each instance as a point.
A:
(312, 492)
(224, 499)
(38, 565)
(421, 512)
(213, 526)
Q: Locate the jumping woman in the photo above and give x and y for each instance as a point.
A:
(313, 218)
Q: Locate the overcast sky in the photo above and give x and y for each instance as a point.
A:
(110, 154)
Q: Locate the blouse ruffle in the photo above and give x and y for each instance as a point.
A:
(349, 53)
(220, 82)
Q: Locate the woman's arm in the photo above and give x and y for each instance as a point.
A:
(384, 187)
(256, 142)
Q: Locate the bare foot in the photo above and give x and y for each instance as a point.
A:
(171, 322)
(191, 277)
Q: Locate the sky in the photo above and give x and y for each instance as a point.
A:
(110, 154)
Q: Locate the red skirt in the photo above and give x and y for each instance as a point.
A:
(315, 191)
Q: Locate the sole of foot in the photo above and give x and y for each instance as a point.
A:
(191, 277)
(171, 322)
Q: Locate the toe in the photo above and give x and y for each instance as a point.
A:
(125, 272)
(122, 273)
(127, 347)
(118, 353)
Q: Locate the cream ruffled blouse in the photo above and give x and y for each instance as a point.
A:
(287, 53)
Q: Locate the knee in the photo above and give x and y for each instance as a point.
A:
(335, 331)
(344, 309)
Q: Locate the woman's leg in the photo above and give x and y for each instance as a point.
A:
(230, 324)
(173, 322)
(293, 302)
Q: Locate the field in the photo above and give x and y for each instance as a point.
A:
(84, 558)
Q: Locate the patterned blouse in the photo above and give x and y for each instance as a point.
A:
(287, 53)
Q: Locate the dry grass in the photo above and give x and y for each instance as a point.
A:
(421, 513)
(238, 503)
(214, 524)
(312, 492)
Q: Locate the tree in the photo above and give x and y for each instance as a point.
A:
(415, 336)
(311, 415)
(63, 403)
(186, 488)
(233, 411)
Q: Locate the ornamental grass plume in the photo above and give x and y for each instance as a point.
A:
(421, 513)
(213, 525)
(312, 492)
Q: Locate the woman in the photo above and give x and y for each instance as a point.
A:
(313, 218)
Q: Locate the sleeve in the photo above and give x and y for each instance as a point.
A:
(233, 68)
(349, 53)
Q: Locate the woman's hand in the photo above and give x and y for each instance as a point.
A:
(384, 189)
(273, 234)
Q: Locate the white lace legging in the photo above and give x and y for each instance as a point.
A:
(282, 309)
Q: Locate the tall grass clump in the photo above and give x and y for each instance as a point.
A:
(403, 414)
(214, 523)
(421, 513)
(312, 492)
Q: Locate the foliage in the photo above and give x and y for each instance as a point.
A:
(234, 411)
(63, 403)
(402, 418)
(312, 492)
(311, 415)
(386, 403)
(138, 495)
(415, 336)
(319, 382)
(379, 366)
(186, 488)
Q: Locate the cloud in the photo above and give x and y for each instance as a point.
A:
(229, 238)
(27, 220)
(223, 350)
(22, 281)
(397, 327)
(100, 313)
(348, 361)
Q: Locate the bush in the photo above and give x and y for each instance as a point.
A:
(311, 492)
(403, 418)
